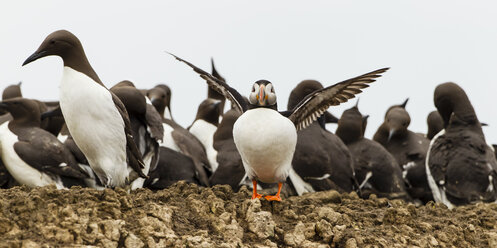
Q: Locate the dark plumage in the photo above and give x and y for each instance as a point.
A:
(321, 158)
(462, 166)
(408, 148)
(375, 168)
(435, 124)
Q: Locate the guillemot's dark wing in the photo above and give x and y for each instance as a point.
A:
(317, 102)
(134, 157)
(220, 86)
(45, 152)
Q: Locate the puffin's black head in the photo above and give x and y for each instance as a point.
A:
(397, 121)
(12, 91)
(209, 111)
(449, 98)
(435, 124)
(160, 96)
(262, 94)
(60, 43)
(22, 109)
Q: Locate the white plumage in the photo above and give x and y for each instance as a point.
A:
(204, 131)
(96, 125)
(266, 142)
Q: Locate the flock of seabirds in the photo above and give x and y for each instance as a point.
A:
(126, 137)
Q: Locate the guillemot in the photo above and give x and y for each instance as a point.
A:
(460, 166)
(178, 138)
(321, 160)
(375, 168)
(266, 138)
(408, 148)
(33, 156)
(105, 137)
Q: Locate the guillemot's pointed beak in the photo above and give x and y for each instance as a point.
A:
(34, 56)
(261, 96)
(390, 134)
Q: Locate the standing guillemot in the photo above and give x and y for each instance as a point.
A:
(205, 125)
(460, 166)
(146, 126)
(321, 160)
(230, 170)
(375, 168)
(408, 148)
(178, 138)
(33, 156)
(105, 138)
(265, 138)
(435, 124)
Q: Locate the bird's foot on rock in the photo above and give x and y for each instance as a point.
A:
(273, 197)
(256, 196)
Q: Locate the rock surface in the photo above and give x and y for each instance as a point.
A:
(186, 215)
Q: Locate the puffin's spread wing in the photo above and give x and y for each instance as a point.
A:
(219, 86)
(317, 102)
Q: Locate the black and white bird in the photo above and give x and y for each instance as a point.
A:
(205, 125)
(408, 148)
(375, 168)
(460, 166)
(266, 138)
(178, 138)
(33, 156)
(95, 117)
(146, 125)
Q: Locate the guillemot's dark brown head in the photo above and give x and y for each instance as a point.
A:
(24, 111)
(12, 91)
(209, 111)
(351, 125)
(160, 96)
(66, 45)
(397, 120)
(450, 99)
(435, 124)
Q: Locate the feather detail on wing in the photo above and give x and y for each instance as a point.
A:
(219, 86)
(317, 102)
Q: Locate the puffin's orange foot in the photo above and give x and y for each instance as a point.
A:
(258, 196)
(273, 197)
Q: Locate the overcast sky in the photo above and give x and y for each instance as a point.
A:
(425, 44)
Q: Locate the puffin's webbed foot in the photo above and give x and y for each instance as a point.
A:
(254, 192)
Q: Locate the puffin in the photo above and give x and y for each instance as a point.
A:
(266, 138)
(178, 138)
(33, 156)
(408, 148)
(375, 168)
(106, 138)
(321, 160)
(460, 166)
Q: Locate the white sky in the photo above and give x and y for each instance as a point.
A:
(424, 42)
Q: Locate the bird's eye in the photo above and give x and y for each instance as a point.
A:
(52, 41)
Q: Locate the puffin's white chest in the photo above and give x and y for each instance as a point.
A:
(204, 131)
(266, 141)
(22, 172)
(95, 124)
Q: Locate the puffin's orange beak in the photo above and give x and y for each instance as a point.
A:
(262, 95)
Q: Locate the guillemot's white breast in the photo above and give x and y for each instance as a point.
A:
(204, 132)
(20, 170)
(95, 124)
(266, 141)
